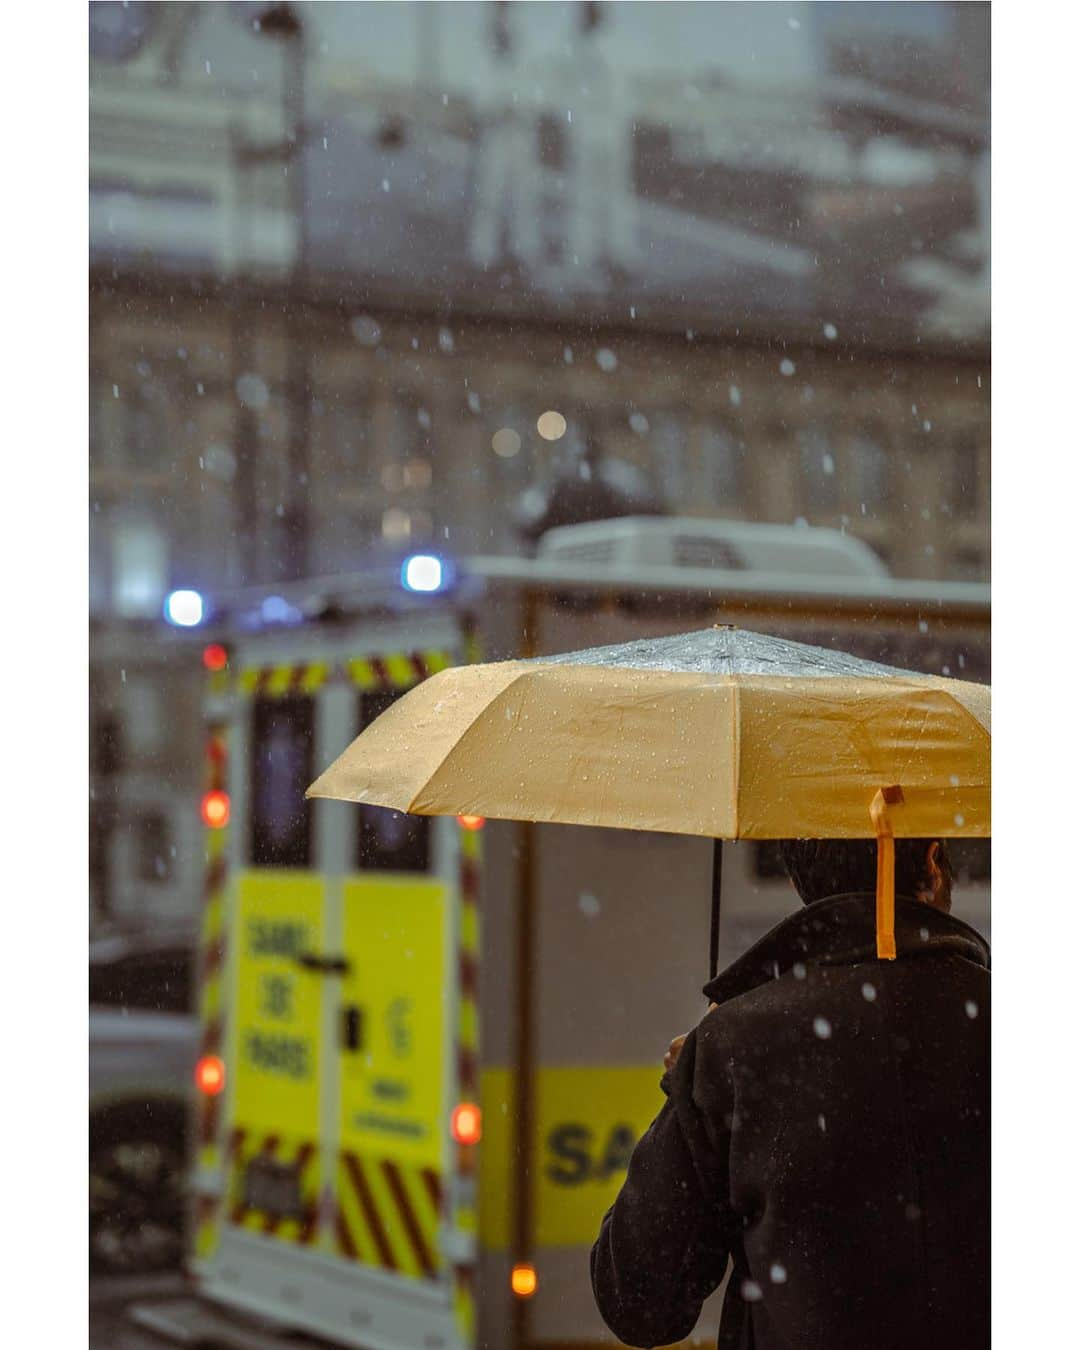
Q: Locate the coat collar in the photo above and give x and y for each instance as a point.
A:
(840, 931)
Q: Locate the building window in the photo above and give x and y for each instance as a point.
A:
(817, 471)
(347, 424)
(964, 496)
(869, 473)
(407, 474)
(669, 437)
(147, 444)
(722, 454)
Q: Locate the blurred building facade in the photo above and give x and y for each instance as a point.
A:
(324, 334)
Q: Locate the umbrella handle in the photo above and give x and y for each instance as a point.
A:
(886, 870)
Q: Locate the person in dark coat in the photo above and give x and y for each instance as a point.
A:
(826, 1132)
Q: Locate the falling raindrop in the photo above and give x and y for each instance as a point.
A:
(787, 366)
(606, 360)
(551, 425)
(777, 1273)
(972, 1009)
(639, 423)
(252, 390)
(734, 395)
(365, 330)
(822, 1028)
(830, 331)
(506, 443)
(799, 970)
(869, 992)
(821, 1124)
(751, 1291)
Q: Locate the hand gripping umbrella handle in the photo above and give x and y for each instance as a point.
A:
(886, 870)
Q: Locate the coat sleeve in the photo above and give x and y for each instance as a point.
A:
(664, 1244)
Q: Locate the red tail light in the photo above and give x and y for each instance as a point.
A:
(215, 657)
(523, 1280)
(466, 1123)
(210, 1075)
(471, 822)
(215, 809)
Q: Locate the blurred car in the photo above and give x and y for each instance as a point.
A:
(143, 1047)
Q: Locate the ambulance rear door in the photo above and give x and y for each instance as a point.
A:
(342, 1210)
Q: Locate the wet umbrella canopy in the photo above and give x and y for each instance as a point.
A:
(723, 733)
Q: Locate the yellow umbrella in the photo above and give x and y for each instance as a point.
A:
(722, 733)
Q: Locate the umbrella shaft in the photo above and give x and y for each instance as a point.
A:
(714, 926)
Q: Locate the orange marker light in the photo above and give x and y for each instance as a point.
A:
(215, 657)
(465, 1123)
(471, 822)
(215, 809)
(523, 1280)
(210, 1075)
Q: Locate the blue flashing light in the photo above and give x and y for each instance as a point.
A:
(425, 573)
(184, 609)
(276, 609)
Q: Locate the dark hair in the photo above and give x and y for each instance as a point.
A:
(819, 868)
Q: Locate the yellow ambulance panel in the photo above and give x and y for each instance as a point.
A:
(277, 1055)
(392, 1067)
(588, 1120)
(390, 1171)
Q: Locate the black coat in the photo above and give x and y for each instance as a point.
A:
(827, 1130)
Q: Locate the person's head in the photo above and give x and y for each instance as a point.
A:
(819, 868)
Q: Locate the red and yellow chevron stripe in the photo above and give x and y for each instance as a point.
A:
(387, 1215)
(301, 1158)
(370, 673)
(283, 681)
(211, 1012)
(396, 670)
(464, 1217)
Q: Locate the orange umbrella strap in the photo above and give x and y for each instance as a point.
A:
(886, 870)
